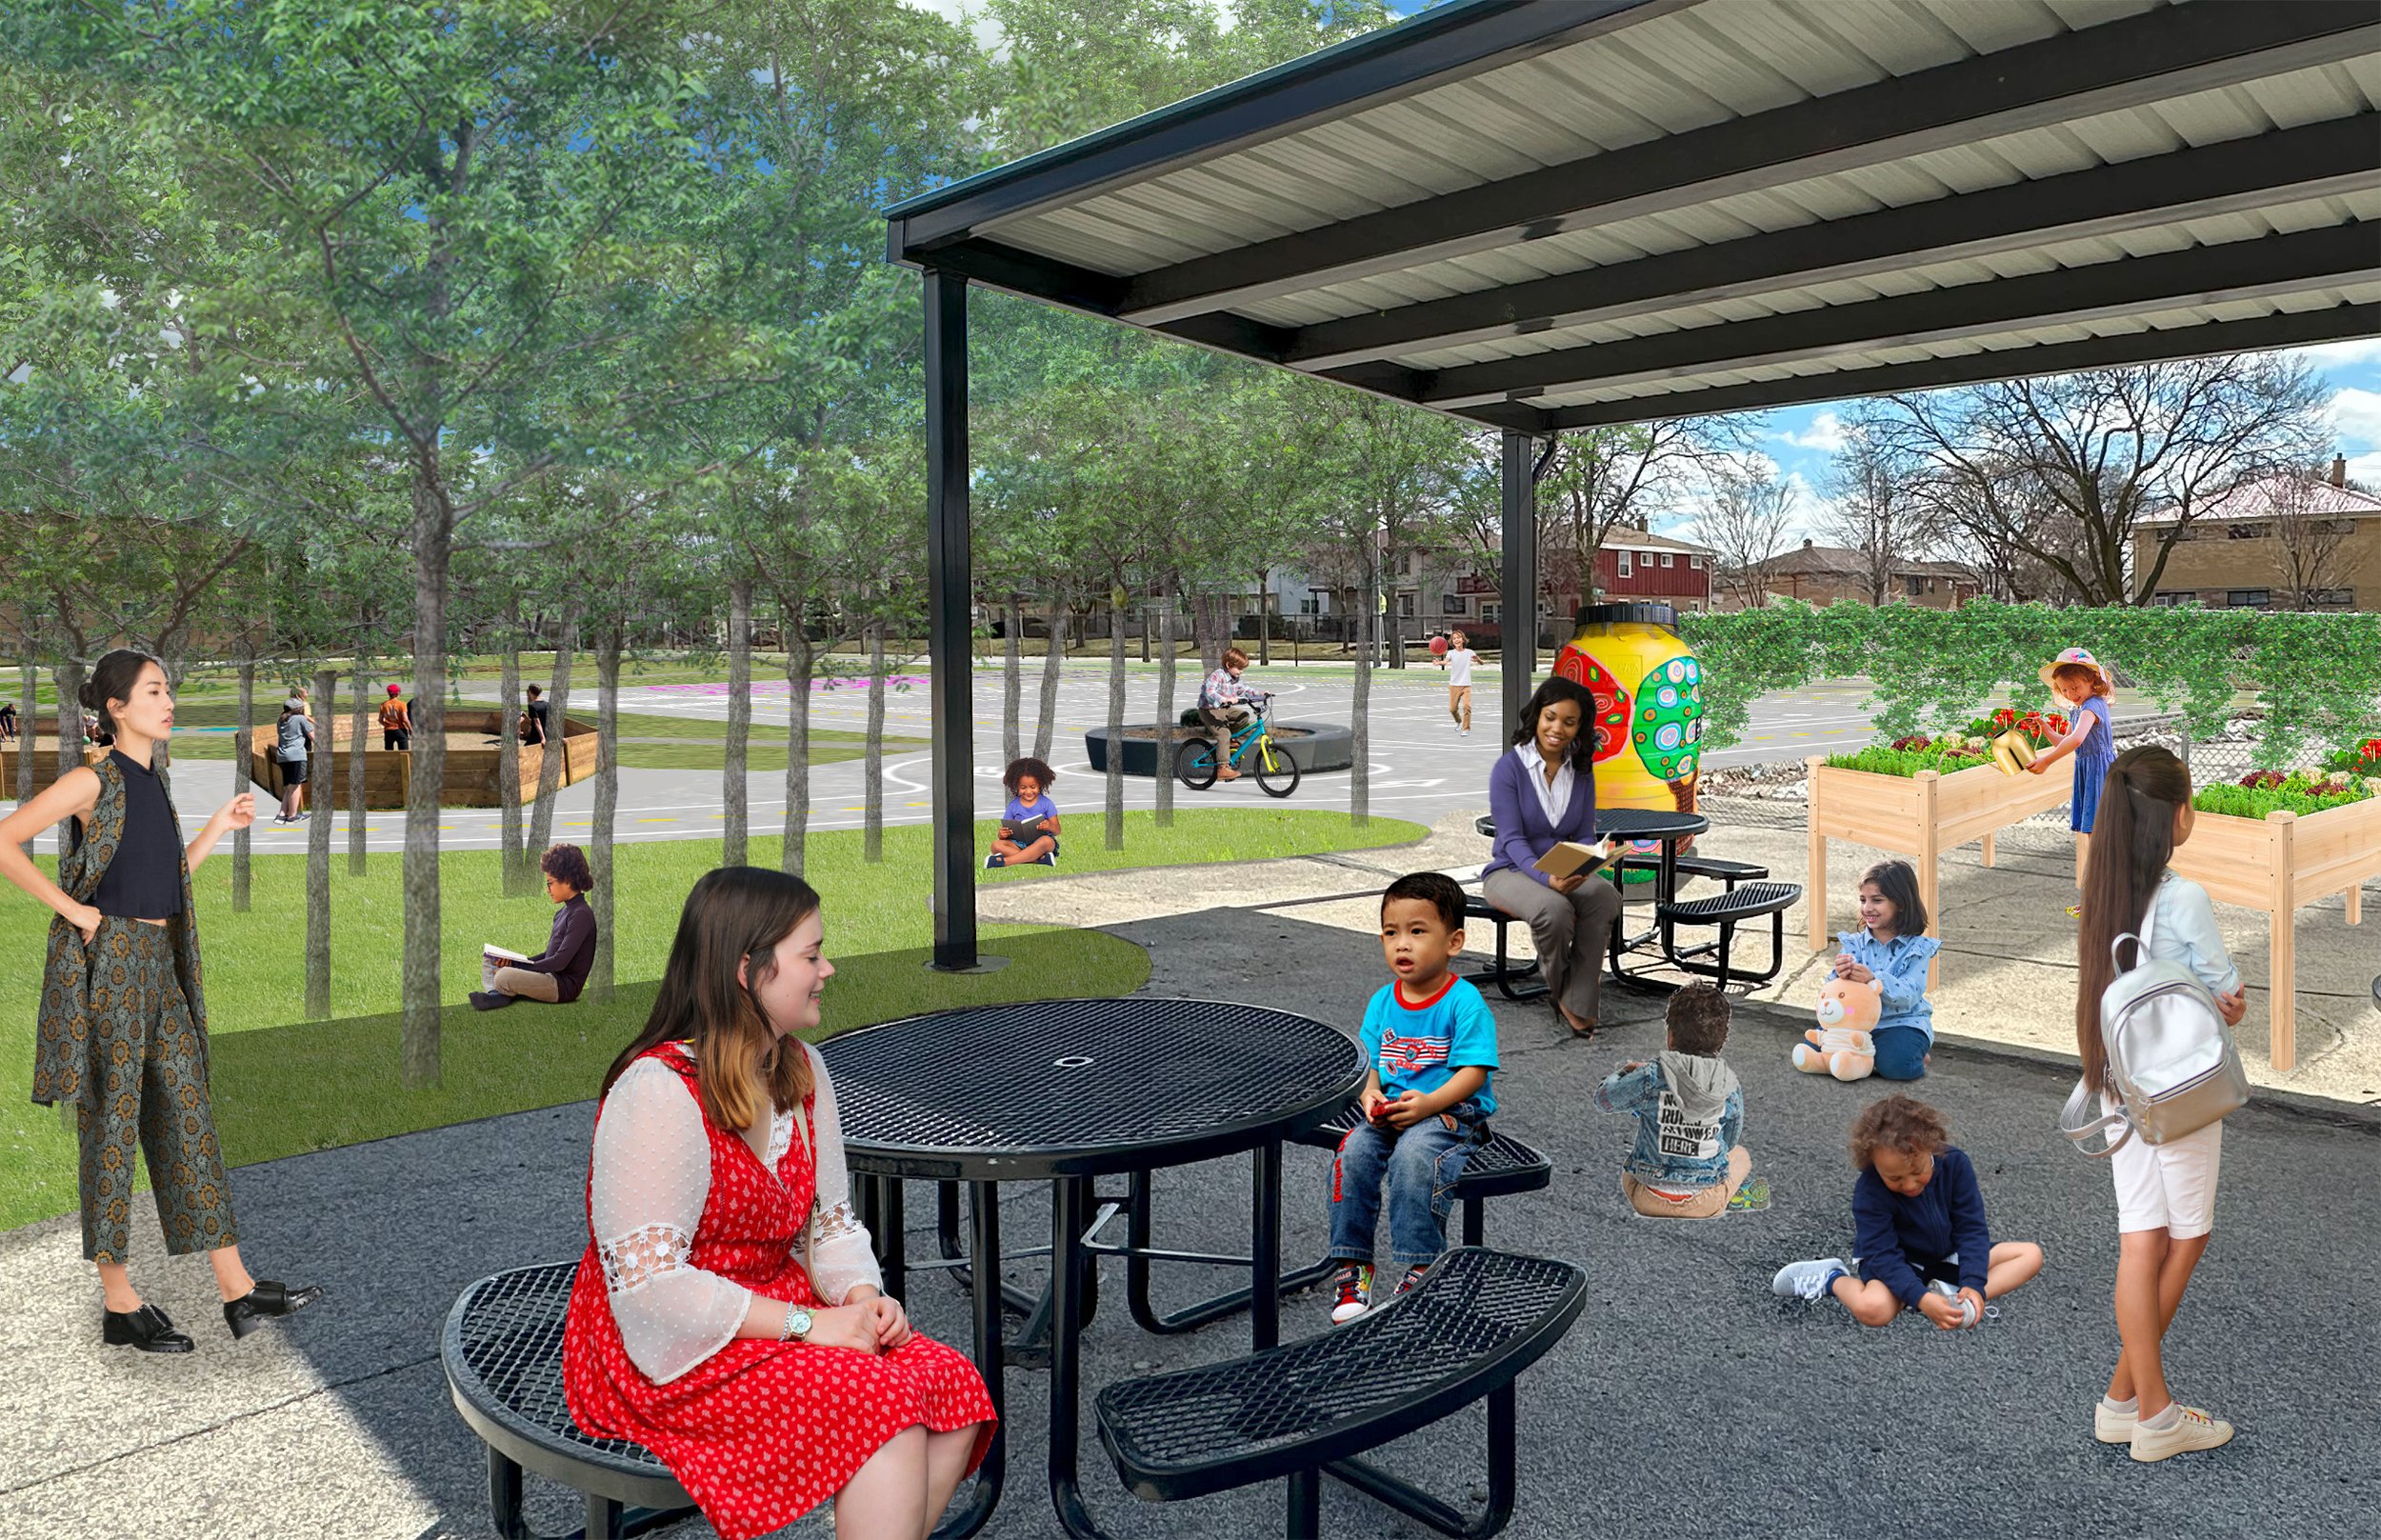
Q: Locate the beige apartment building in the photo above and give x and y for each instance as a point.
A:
(2275, 543)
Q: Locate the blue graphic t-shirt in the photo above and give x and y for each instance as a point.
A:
(1419, 1048)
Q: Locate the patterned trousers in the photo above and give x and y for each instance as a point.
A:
(149, 1085)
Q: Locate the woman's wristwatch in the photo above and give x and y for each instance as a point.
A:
(797, 1324)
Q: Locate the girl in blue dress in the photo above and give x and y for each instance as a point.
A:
(2088, 688)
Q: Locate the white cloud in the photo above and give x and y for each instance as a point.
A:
(1825, 435)
(2356, 417)
(2354, 351)
(2365, 469)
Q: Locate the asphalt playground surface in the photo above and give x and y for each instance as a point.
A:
(1420, 767)
(1687, 1401)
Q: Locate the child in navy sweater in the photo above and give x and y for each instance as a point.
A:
(1919, 1221)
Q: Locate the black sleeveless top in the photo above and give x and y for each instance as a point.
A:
(144, 881)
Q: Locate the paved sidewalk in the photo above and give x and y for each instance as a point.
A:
(1687, 1401)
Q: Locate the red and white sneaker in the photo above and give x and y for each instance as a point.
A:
(1353, 1286)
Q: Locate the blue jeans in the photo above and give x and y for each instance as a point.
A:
(1419, 1167)
(1901, 1052)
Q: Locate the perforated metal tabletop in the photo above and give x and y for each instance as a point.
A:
(1081, 1088)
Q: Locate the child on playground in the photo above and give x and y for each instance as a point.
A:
(1892, 946)
(1918, 1222)
(1457, 660)
(1027, 781)
(1426, 1102)
(1224, 701)
(2087, 688)
(1690, 1111)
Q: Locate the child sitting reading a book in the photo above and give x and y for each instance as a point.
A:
(1028, 826)
(556, 974)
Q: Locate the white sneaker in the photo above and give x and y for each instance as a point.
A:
(2110, 1426)
(1807, 1280)
(2193, 1429)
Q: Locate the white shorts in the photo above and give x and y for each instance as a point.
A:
(2169, 1187)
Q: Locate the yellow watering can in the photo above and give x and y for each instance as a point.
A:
(2012, 751)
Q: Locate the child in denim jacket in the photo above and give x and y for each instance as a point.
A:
(1893, 948)
(1432, 1045)
(1690, 1111)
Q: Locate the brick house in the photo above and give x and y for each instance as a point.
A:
(1839, 575)
(1631, 565)
(2260, 543)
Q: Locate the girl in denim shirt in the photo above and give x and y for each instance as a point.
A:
(1892, 946)
(2164, 1193)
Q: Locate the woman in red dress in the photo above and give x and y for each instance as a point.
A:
(728, 1315)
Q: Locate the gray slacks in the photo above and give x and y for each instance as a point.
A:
(1568, 930)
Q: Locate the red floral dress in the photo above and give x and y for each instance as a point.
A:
(759, 1432)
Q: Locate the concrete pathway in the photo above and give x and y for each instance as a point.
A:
(1688, 1401)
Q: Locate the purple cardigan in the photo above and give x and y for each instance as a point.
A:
(1522, 832)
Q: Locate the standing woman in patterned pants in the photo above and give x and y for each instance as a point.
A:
(123, 1025)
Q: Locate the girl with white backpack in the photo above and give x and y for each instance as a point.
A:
(2165, 1192)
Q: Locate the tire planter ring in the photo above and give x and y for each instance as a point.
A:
(1317, 746)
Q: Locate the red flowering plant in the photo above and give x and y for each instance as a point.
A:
(2042, 728)
(2358, 759)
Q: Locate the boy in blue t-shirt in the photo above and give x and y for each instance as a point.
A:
(1432, 1044)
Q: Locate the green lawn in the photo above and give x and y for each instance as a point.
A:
(284, 1086)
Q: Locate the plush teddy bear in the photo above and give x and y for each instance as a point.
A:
(1840, 1045)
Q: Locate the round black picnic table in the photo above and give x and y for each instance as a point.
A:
(1064, 1091)
(1669, 828)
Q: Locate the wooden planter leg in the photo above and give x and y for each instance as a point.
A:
(2284, 943)
(1987, 846)
(1814, 885)
(1929, 865)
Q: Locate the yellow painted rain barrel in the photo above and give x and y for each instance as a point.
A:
(1648, 704)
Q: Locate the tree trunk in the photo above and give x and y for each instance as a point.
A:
(873, 754)
(1368, 625)
(318, 861)
(553, 755)
(29, 686)
(800, 663)
(1116, 728)
(1051, 663)
(243, 744)
(359, 743)
(68, 677)
(1012, 678)
(508, 752)
(1163, 784)
(434, 550)
(1145, 634)
(734, 809)
(609, 641)
(1264, 619)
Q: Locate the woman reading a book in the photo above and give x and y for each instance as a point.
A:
(1545, 868)
(556, 974)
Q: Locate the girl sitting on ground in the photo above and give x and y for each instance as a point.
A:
(1918, 1222)
(1892, 949)
(1027, 781)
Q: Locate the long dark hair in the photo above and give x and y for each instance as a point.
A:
(113, 678)
(1898, 882)
(734, 914)
(1552, 689)
(2133, 838)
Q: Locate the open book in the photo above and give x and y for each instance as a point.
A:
(1569, 856)
(1026, 830)
(504, 955)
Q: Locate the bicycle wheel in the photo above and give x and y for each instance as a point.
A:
(1275, 770)
(1195, 763)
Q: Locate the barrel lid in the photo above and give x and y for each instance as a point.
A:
(1614, 614)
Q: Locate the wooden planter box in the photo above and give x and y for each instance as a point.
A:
(1919, 816)
(470, 780)
(2275, 864)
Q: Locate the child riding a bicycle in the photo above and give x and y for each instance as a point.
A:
(1226, 704)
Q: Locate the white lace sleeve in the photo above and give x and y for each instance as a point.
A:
(842, 1257)
(652, 1173)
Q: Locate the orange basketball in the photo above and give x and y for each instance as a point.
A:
(1438, 647)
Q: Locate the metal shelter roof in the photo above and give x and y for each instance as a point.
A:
(1545, 214)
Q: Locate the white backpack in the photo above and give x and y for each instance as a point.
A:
(2172, 1066)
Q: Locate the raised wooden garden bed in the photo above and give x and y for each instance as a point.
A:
(470, 779)
(1920, 816)
(2275, 864)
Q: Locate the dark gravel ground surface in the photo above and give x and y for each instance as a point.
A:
(1687, 1401)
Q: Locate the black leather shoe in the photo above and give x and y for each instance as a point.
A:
(147, 1330)
(490, 1000)
(266, 1302)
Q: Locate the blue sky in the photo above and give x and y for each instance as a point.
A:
(1801, 439)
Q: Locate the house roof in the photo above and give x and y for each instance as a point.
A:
(1542, 216)
(1846, 561)
(2263, 497)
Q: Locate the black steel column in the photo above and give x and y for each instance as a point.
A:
(949, 589)
(1519, 651)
